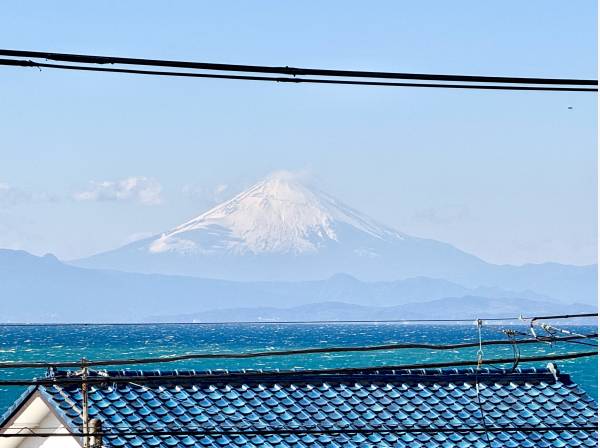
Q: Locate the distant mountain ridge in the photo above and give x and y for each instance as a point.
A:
(281, 229)
(43, 289)
(463, 308)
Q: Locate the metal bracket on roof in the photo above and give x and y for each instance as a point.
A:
(553, 370)
(479, 324)
(84, 404)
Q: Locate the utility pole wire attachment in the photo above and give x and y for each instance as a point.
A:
(479, 324)
(84, 404)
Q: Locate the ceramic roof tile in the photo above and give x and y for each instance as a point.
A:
(384, 407)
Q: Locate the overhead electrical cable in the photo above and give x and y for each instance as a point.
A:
(291, 71)
(249, 375)
(477, 386)
(549, 329)
(296, 431)
(263, 354)
(563, 316)
(291, 80)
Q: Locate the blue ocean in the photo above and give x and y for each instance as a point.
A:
(95, 342)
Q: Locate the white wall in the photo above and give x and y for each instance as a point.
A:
(38, 416)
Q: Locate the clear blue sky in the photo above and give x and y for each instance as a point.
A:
(510, 177)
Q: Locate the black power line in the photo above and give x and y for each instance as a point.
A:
(582, 343)
(11, 62)
(299, 431)
(563, 316)
(505, 83)
(260, 375)
(290, 71)
(303, 351)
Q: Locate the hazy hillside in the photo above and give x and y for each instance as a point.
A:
(34, 289)
(449, 308)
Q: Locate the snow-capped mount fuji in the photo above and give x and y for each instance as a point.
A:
(283, 229)
(279, 215)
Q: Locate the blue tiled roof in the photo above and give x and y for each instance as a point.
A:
(391, 404)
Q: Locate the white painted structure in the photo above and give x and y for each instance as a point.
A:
(34, 415)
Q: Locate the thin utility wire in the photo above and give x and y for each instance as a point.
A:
(287, 431)
(516, 349)
(290, 71)
(249, 375)
(477, 394)
(292, 352)
(549, 329)
(563, 316)
(28, 63)
(520, 319)
(228, 427)
(582, 343)
(254, 322)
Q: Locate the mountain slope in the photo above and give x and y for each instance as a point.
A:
(279, 215)
(281, 229)
(42, 289)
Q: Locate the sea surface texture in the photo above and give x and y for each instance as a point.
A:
(95, 342)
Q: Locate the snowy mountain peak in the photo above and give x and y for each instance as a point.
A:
(283, 229)
(280, 214)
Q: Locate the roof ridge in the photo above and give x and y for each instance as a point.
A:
(433, 374)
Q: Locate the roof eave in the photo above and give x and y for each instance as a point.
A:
(27, 397)
(14, 410)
